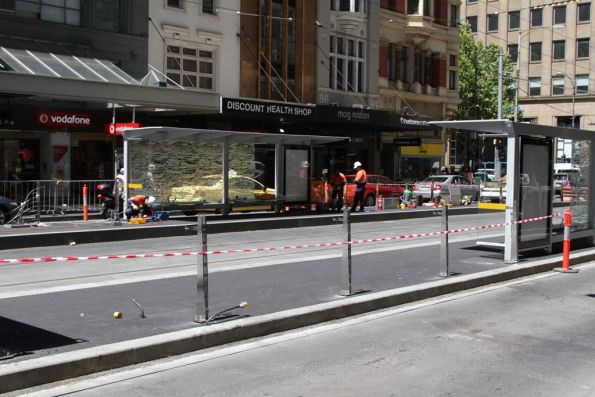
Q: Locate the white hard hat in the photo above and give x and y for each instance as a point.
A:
(357, 164)
(150, 200)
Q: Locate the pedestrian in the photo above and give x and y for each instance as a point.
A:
(361, 178)
(339, 185)
(470, 177)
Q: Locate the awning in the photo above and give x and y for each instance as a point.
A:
(515, 128)
(203, 135)
(68, 71)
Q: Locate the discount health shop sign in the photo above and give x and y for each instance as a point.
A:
(265, 108)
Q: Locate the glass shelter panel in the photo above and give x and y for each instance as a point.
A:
(535, 198)
(577, 186)
(247, 184)
(176, 172)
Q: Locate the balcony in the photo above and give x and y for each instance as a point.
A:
(349, 21)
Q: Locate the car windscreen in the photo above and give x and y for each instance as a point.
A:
(441, 179)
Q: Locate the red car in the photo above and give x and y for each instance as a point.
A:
(377, 185)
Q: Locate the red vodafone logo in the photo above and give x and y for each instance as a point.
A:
(61, 119)
(117, 128)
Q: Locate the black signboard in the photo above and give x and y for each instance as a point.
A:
(407, 141)
(266, 108)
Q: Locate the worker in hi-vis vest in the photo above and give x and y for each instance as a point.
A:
(360, 182)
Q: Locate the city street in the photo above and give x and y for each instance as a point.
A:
(34, 278)
(528, 337)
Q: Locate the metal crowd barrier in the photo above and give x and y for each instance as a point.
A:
(54, 196)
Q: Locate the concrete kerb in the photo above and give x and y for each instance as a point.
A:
(35, 372)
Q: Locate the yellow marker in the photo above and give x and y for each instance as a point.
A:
(117, 314)
(135, 185)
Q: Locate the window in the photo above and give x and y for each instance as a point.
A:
(351, 6)
(583, 12)
(454, 16)
(402, 64)
(453, 61)
(514, 20)
(413, 7)
(558, 85)
(472, 21)
(537, 17)
(534, 86)
(560, 15)
(66, 12)
(452, 79)
(347, 65)
(175, 3)
(566, 121)
(208, 7)
(558, 49)
(7, 6)
(535, 49)
(492, 22)
(471, 1)
(105, 16)
(582, 83)
(513, 52)
(582, 48)
(191, 67)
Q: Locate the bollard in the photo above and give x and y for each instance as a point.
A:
(444, 244)
(85, 204)
(202, 275)
(346, 268)
(379, 204)
(38, 203)
(566, 245)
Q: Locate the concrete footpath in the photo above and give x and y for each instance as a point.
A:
(52, 233)
(87, 339)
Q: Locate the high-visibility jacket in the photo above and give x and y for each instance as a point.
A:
(338, 179)
(361, 176)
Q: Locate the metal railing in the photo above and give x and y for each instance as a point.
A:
(55, 196)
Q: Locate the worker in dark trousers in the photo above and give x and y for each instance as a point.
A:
(361, 178)
(338, 183)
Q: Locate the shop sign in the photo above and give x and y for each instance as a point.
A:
(406, 121)
(407, 141)
(260, 108)
(6, 119)
(425, 149)
(117, 128)
(63, 119)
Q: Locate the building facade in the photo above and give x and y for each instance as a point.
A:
(418, 75)
(551, 42)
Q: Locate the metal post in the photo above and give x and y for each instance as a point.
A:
(500, 75)
(202, 275)
(444, 244)
(38, 202)
(346, 268)
(512, 199)
(225, 168)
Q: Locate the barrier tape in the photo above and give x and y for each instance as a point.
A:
(286, 247)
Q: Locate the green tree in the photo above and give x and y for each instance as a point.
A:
(478, 80)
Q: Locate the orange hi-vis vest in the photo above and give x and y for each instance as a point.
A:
(338, 179)
(361, 177)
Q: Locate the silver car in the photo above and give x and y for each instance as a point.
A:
(440, 185)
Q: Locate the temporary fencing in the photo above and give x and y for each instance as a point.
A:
(279, 248)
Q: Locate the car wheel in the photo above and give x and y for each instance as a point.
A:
(370, 201)
(3, 216)
(189, 213)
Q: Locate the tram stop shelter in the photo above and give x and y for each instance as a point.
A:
(529, 181)
(217, 170)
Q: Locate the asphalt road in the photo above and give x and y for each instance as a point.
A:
(34, 278)
(528, 337)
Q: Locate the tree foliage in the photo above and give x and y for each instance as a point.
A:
(478, 80)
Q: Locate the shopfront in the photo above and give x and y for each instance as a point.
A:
(373, 134)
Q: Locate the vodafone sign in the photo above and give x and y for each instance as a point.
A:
(61, 119)
(117, 128)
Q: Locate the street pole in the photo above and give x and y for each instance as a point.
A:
(518, 67)
(500, 75)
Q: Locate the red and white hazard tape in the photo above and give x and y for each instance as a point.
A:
(286, 247)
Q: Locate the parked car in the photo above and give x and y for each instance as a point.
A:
(8, 209)
(565, 178)
(441, 185)
(377, 184)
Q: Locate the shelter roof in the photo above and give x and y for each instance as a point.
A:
(204, 135)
